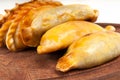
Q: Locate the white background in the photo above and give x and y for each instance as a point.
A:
(109, 10)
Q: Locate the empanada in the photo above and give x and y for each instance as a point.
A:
(61, 36)
(44, 20)
(11, 28)
(12, 15)
(90, 50)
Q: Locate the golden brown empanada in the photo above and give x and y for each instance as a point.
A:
(18, 42)
(61, 36)
(90, 50)
(44, 20)
(12, 15)
(11, 28)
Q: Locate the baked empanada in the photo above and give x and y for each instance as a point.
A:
(44, 20)
(11, 15)
(61, 36)
(11, 28)
(90, 50)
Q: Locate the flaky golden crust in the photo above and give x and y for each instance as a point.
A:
(14, 16)
(19, 12)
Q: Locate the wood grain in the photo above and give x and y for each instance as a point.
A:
(28, 65)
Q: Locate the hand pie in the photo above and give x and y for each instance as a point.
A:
(61, 36)
(11, 29)
(90, 50)
(44, 20)
(18, 43)
(12, 15)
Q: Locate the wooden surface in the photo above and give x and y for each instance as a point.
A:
(28, 65)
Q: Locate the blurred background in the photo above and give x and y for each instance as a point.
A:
(108, 9)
